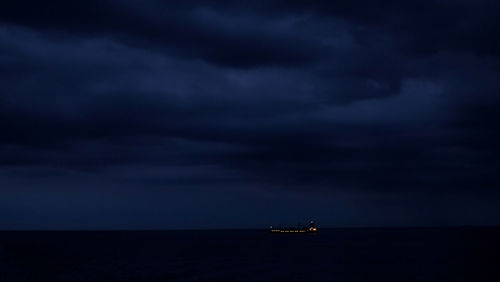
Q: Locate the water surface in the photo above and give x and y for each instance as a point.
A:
(431, 254)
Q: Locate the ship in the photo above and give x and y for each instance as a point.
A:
(299, 229)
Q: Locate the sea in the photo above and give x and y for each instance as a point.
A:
(350, 254)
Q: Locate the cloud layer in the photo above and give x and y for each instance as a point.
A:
(389, 99)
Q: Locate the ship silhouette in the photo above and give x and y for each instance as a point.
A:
(299, 229)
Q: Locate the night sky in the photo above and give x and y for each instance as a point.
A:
(240, 114)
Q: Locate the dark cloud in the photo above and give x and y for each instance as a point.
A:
(194, 31)
(349, 99)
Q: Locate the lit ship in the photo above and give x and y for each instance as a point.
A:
(299, 229)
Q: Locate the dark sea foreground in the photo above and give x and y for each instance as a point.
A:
(428, 254)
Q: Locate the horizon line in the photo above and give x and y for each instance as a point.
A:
(249, 229)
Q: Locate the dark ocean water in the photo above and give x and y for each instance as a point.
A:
(453, 254)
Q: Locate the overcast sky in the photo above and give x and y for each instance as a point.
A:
(208, 114)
